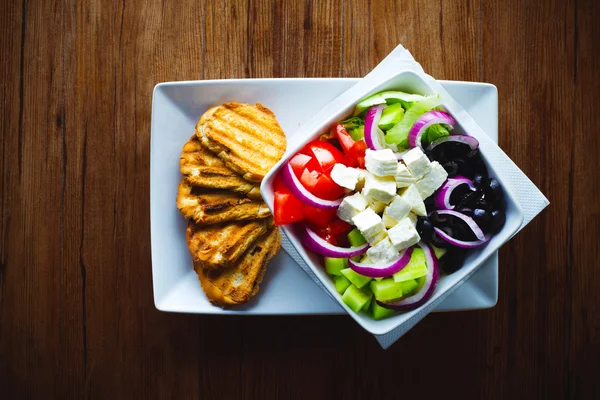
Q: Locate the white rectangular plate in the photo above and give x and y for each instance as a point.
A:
(286, 289)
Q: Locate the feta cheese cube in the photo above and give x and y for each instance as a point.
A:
(412, 196)
(375, 205)
(351, 206)
(381, 162)
(432, 181)
(382, 252)
(345, 177)
(388, 221)
(403, 176)
(403, 234)
(417, 162)
(380, 188)
(370, 225)
(397, 209)
(413, 218)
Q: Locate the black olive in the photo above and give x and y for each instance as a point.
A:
(437, 241)
(467, 211)
(424, 228)
(461, 231)
(477, 163)
(479, 180)
(469, 200)
(454, 259)
(483, 218)
(496, 188)
(451, 168)
(498, 220)
(458, 193)
(439, 219)
(464, 168)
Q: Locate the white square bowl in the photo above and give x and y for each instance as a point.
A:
(410, 82)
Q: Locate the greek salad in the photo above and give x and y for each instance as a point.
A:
(391, 197)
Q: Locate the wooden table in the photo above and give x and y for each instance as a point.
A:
(77, 317)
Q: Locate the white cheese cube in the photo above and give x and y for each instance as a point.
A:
(375, 205)
(382, 252)
(370, 225)
(351, 206)
(403, 176)
(403, 234)
(432, 181)
(345, 177)
(413, 218)
(397, 209)
(417, 162)
(381, 162)
(380, 188)
(412, 196)
(388, 221)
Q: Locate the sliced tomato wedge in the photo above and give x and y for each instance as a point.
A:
(326, 188)
(318, 217)
(326, 154)
(310, 179)
(335, 232)
(357, 153)
(343, 137)
(288, 208)
(299, 162)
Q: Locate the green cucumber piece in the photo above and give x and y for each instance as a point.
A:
(390, 116)
(408, 287)
(439, 252)
(399, 133)
(356, 238)
(386, 289)
(388, 97)
(416, 267)
(357, 279)
(357, 133)
(420, 282)
(334, 266)
(379, 312)
(341, 283)
(368, 303)
(355, 298)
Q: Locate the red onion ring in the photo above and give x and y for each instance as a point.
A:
(371, 121)
(433, 117)
(462, 243)
(290, 180)
(442, 197)
(468, 220)
(431, 279)
(383, 270)
(466, 139)
(318, 245)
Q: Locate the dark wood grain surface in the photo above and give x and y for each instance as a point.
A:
(77, 318)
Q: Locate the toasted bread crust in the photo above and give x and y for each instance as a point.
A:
(247, 138)
(239, 283)
(204, 169)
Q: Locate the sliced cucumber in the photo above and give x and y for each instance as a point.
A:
(334, 266)
(386, 289)
(341, 283)
(379, 312)
(389, 97)
(390, 116)
(355, 298)
(356, 238)
(408, 287)
(357, 279)
(399, 132)
(416, 267)
(439, 252)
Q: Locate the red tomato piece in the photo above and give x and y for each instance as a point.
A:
(343, 137)
(357, 152)
(278, 185)
(288, 209)
(335, 232)
(327, 189)
(325, 153)
(298, 162)
(339, 227)
(310, 179)
(318, 217)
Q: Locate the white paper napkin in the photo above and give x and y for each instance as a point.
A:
(529, 197)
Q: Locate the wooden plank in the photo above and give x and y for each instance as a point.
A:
(31, 174)
(529, 54)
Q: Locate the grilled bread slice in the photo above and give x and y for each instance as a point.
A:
(214, 207)
(240, 283)
(203, 168)
(221, 245)
(247, 137)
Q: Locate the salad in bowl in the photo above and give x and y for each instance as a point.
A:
(391, 198)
